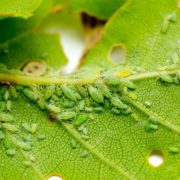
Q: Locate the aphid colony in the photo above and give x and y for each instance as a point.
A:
(11, 134)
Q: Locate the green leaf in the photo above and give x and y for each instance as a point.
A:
(15, 8)
(100, 8)
(134, 115)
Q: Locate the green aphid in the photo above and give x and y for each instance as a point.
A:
(127, 111)
(98, 109)
(118, 103)
(153, 120)
(85, 137)
(81, 105)
(130, 85)
(42, 104)
(73, 144)
(3, 106)
(153, 126)
(30, 128)
(88, 109)
(91, 117)
(68, 104)
(84, 154)
(55, 98)
(166, 78)
(87, 102)
(178, 75)
(116, 111)
(66, 115)
(27, 163)
(176, 80)
(105, 90)
(59, 91)
(174, 150)
(84, 131)
(78, 96)
(25, 146)
(95, 94)
(32, 158)
(27, 137)
(13, 92)
(49, 91)
(10, 127)
(19, 88)
(6, 95)
(135, 116)
(80, 119)
(113, 81)
(148, 104)
(6, 117)
(173, 17)
(165, 26)
(2, 135)
(30, 94)
(150, 127)
(54, 109)
(133, 96)
(7, 143)
(114, 89)
(82, 91)
(41, 137)
(9, 105)
(10, 152)
(107, 104)
(69, 93)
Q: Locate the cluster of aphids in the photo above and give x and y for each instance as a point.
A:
(168, 79)
(9, 130)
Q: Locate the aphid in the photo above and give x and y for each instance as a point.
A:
(153, 120)
(150, 127)
(52, 108)
(27, 163)
(81, 105)
(49, 92)
(66, 115)
(69, 93)
(19, 88)
(73, 144)
(148, 104)
(118, 103)
(55, 98)
(84, 154)
(80, 119)
(87, 102)
(82, 91)
(153, 126)
(135, 116)
(105, 90)
(88, 109)
(7, 143)
(68, 104)
(116, 111)
(2, 106)
(25, 146)
(84, 131)
(59, 91)
(166, 78)
(9, 105)
(10, 152)
(172, 17)
(165, 26)
(30, 94)
(42, 104)
(176, 80)
(98, 109)
(130, 85)
(113, 81)
(91, 117)
(107, 104)
(173, 150)
(32, 158)
(85, 137)
(41, 137)
(5, 117)
(10, 127)
(95, 94)
(30, 128)
(27, 138)
(132, 95)
(127, 111)
(6, 95)
(2, 136)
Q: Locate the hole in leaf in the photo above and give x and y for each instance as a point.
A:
(156, 158)
(117, 54)
(55, 178)
(34, 68)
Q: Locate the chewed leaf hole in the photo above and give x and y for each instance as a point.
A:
(55, 178)
(156, 158)
(34, 68)
(117, 54)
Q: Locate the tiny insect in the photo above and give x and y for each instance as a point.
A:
(10, 152)
(42, 104)
(69, 93)
(6, 95)
(73, 144)
(88, 109)
(116, 111)
(49, 92)
(41, 137)
(27, 163)
(25, 146)
(132, 95)
(130, 85)
(52, 108)
(98, 109)
(113, 80)
(13, 92)
(9, 105)
(173, 150)
(148, 104)
(80, 119)
(66, 115)
(84, 154)
(118, 103)
(153, 126)
(10, 127)
(105, 90)
(127, 111)
(2, 135)
(82, 91)
(107, 104)
(95, 94)
(135, 116)
(30, 94)
(81, 105)
(5, 117)
(166, 78)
